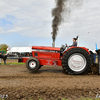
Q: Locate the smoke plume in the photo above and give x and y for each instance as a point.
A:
(57, 14)
(62, 6)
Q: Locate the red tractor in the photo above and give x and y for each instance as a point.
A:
(74, 60)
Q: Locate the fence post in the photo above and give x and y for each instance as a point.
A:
(0, 61)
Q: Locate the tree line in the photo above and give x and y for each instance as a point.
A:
(3, 47)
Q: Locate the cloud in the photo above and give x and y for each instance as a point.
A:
(84, 22)
(32, 18)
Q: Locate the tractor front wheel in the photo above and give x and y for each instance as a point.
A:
(76, 61)
(32, 64)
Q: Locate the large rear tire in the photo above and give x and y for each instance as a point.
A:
(32, 64)
(76, 61)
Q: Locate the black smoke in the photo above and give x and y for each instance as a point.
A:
(62, 6)
(57, 14)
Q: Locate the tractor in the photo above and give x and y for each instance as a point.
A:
(74, 60)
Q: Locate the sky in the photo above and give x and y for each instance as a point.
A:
(25, 22)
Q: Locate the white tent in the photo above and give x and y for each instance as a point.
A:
(20, 50)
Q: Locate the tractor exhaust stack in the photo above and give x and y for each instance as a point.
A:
(53, 44)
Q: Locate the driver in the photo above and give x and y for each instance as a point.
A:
(74, 43)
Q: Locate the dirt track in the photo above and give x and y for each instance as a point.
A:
(49, 83)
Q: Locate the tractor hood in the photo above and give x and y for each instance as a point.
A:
(46, 48)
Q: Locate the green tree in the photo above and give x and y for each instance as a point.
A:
(3, 47)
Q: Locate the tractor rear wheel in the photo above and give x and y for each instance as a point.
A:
(76, 61)
(32, 64)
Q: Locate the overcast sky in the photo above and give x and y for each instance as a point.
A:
(24, 22)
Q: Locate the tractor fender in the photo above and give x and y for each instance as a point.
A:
(86, 49)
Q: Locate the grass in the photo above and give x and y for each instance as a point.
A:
(82, 99)
(88, 99)
(77, 99)
(13, 63)
(64, 99)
